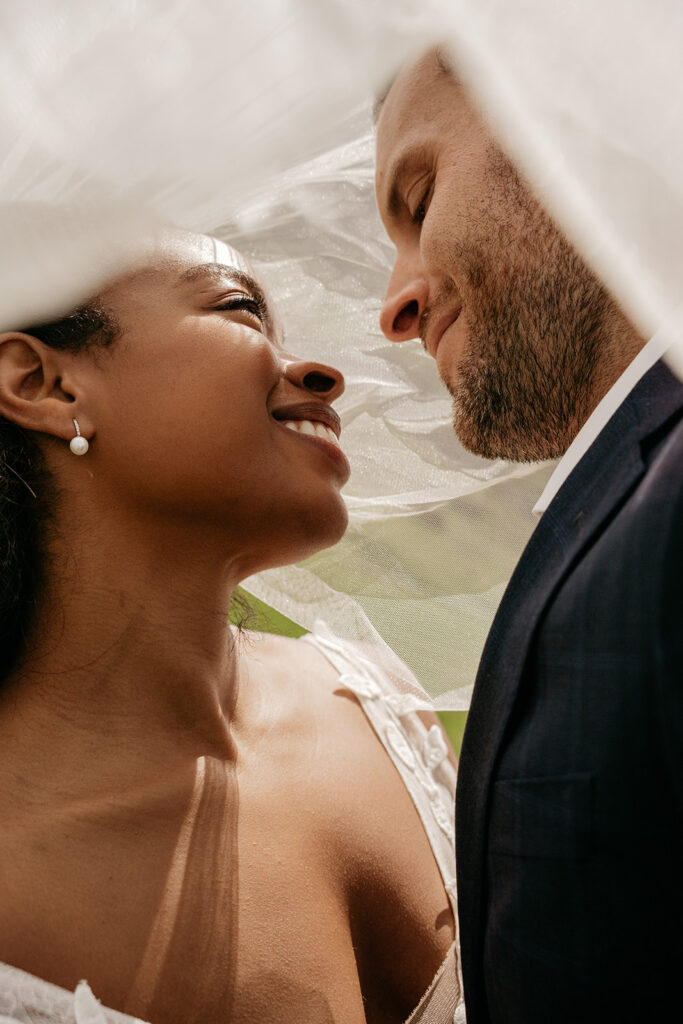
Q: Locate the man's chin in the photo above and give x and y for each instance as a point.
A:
(480, 425)
(472, 438)
(491, 438)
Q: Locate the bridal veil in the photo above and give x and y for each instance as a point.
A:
(252, 121)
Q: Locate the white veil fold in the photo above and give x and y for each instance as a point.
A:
(587, 98)
(253, 121)
(434, 531)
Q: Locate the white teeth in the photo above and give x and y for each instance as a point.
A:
(312, 429)
(306, 427)
(331, 436)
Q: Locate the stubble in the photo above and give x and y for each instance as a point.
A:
(539, 329)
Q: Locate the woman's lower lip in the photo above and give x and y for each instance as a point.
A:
(327, 446)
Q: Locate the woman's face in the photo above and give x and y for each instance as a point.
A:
(190, 407)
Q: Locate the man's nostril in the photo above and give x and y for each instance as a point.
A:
(406, 318)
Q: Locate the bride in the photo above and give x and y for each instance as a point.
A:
(206, 825)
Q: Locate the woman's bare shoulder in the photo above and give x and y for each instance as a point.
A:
(290, 664)
(289, 652)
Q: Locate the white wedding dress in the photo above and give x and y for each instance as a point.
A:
(421, 759)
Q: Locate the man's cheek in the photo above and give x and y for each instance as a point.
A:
(439, 244)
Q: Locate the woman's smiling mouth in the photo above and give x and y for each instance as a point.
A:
(316, 424)
(312, 429)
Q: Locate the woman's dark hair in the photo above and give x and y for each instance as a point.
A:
(25, 491)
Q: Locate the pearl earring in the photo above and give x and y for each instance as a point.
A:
(78, 445)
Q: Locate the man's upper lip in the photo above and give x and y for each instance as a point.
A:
(313, 411)
(436, 331)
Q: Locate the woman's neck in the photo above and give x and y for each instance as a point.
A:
(130, 652)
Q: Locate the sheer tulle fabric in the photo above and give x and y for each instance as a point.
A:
(253, 121)
(25, 999)
(586, 98)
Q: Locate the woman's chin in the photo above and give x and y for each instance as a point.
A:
(324, 533)
(317, 533)
(334, 533)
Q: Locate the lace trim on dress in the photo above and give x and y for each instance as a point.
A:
(440, 1001)
(25, 999)
(420, 755)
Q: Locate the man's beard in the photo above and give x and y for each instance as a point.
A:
(539, 327)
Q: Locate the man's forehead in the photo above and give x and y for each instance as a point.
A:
(413, 93)
(415, 107)
(425, 110)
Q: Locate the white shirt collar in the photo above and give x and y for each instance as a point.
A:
(604, 410)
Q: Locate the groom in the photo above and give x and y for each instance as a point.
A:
(570, 797)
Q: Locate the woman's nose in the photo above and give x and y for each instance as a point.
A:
(319, 379)
(404, 304)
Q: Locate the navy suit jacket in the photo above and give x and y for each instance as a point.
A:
(569, 824)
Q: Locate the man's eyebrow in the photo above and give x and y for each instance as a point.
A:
(217, 272)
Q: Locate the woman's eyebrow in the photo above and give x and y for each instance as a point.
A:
(217, 272)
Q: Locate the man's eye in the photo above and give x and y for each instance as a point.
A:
(420, 212)
(246, 303)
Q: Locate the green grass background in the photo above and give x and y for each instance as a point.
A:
(268, 620)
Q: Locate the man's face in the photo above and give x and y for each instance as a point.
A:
(518, 325)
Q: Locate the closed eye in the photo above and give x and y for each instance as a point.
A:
(420, 212)
(249, 303)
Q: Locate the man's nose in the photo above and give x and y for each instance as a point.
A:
(404, 304)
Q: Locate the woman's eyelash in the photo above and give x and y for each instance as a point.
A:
(247, 302)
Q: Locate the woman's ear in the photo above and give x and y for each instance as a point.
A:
(32, 392)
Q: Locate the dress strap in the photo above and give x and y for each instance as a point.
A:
(442, 1000)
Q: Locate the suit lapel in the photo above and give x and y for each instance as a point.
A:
(609, 470)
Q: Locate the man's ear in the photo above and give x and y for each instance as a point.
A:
(32, 391)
